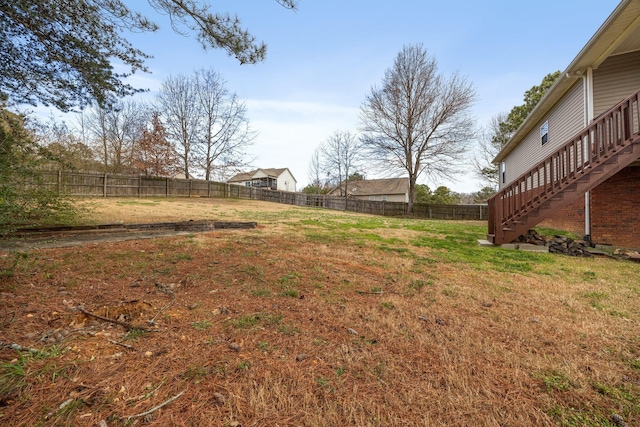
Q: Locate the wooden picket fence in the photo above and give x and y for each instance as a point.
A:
(95, 184)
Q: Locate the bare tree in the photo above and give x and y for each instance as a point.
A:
(116, 131)
(95, 122)
(125, 123)
(418, 121)
(224, 131)
(179, 104)
(341, 154)
(490, 143)
(64, 146)
(315, 171)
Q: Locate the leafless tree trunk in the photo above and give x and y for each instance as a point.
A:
(341, 154)
(315, 171)
(117, 131)
(493, 138)
(418, 121)
(224, 131)
(96, 122)
(125, 123)
(179, 106)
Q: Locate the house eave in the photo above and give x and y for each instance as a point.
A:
(619, 34)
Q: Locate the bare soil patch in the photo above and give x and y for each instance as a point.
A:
(314, 318)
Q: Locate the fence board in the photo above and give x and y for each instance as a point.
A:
(98, 184)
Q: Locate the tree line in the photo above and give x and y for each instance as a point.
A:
(195, 127)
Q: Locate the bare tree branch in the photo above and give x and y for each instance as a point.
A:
(341, 154)
(418, 122)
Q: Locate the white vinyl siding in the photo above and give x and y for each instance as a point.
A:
(565, 119)
(616, 78)
(286, 181)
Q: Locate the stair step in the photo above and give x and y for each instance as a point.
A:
(611, 161)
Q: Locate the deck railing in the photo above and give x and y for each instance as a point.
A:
(610, 133)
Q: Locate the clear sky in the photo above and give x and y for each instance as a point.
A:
(325, 57)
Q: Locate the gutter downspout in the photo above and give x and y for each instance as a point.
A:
(588, 118)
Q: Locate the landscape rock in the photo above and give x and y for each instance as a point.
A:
(557, 244)
(618, 421)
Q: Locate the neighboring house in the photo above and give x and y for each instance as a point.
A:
(181, 175)
(574, 160)
(274, 179)
(386, 190)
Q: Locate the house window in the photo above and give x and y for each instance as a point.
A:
(372, 197)
(544, 132)
(247, 184)
(384, 198)
(503, 172)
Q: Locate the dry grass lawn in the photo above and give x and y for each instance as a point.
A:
(315, 318)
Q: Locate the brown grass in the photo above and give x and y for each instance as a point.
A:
(253, 326)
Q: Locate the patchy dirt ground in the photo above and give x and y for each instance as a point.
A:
(293, 324)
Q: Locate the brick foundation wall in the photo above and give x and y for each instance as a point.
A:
(615, 209)
(615, 212)
(570, 218)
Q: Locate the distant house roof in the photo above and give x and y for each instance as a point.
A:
(181, 175)
(246, 176)
(241, 177)
(371, 187)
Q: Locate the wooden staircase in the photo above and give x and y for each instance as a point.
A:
(608, 145)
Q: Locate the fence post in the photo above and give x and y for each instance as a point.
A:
(139, 186)
(104, 191)
(166, 187)
(189, 187)
(59, 181)
(209, 189)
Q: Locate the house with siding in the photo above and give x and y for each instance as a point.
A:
(273, 179)
(381, 190)
(574, 162)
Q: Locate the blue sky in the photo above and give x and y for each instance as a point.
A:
(324, 58)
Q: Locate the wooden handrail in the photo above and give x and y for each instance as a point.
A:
(603, 138)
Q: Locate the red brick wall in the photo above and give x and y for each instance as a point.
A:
(570, 218)
(615, 212)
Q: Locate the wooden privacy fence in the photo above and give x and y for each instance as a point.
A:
(96, 184)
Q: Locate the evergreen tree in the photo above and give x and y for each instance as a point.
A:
(61, 53)
(22, 200)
